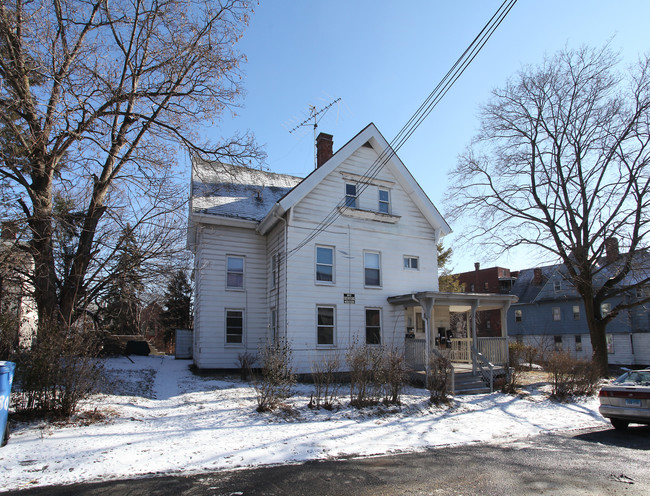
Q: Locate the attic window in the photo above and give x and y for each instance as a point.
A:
(351, 195)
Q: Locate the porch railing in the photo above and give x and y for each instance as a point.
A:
(414, 353)
(461, 350)
(495, 350)
(483, 366)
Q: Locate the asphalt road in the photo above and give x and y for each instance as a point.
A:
(584, 462)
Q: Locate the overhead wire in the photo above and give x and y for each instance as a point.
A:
(416, 119)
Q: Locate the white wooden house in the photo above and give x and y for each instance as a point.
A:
(347, 253)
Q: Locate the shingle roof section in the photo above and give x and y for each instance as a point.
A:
(523, 287)
(237, 192)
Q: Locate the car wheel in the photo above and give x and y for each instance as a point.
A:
(619, 425)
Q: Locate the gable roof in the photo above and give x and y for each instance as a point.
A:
(524, 288)
(236, 192)
(371, 136)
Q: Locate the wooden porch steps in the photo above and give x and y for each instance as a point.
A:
(467, 383)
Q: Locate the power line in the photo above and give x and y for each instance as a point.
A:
(418, 117)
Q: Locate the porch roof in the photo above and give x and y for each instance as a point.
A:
(457, 302)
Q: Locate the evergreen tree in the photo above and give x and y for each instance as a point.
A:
(178, 300)
(123, 299)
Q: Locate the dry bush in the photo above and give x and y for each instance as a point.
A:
(326, 386)
(59, 371)
(570, 376)
(394, 374)
(364, 363)
(246, 362)
(276, 375)
(520, 358)
(439, 380)
(8, 335)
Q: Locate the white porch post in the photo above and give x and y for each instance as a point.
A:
(504, 329)
(474, 342)
(426, 302)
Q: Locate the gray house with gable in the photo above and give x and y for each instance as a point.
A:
(550, 314)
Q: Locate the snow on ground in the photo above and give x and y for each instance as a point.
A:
(164, 419)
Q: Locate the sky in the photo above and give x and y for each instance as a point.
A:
(382, 60)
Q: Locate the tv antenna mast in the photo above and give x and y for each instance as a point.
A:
(314, 116)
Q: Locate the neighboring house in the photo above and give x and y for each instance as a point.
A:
(347, 254)
(18, 315)
(497, 280)
(550, 314)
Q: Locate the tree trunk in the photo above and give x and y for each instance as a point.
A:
(598, 336)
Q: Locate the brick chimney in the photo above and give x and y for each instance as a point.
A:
(537, 277)
(611, 249)
(324, 145)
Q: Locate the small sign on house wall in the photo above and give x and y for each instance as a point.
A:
(348, 297)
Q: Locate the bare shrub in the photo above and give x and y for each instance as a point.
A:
(393, 375)
(364, 363)
(59, 371)
(246, 362)
(439, 380)
(326, 386)
(276, 375)
(570, 376)
(519, 359)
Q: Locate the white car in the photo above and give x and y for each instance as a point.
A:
(627, 399)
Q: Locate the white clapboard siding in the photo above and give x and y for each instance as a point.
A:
(411, 235)
(210, 348)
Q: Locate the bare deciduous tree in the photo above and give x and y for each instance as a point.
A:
(97, 100)
(561, 164)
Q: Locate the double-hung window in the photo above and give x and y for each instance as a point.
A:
(235, 272)
(518, 315)
(557, 313)
(372, 270)
(373, 326)
(325, 264)
(234, 326)
(384, 201)
(325, 325)
(576, 312)
(351, 195)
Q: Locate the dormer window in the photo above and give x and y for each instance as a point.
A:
(384, 201)
(351, 195)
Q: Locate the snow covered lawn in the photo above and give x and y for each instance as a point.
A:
(164, 419)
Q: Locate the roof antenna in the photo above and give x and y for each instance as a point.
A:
(313, 114)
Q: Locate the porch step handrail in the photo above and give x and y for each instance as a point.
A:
(484, 367)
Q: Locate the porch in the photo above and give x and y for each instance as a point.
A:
(484, 358)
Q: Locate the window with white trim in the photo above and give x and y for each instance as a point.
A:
(576, 312)
(325, 325)
(234, 326)
(578, 342)
(558, 343)
(235, 272)
(324, 264)
(384, 201)
(351, 195)
(373, 326)
(518, 315)
(605, 309)
(557, 285)
(557, 313)
(610, 343)
(411, 262)
(372, 268)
